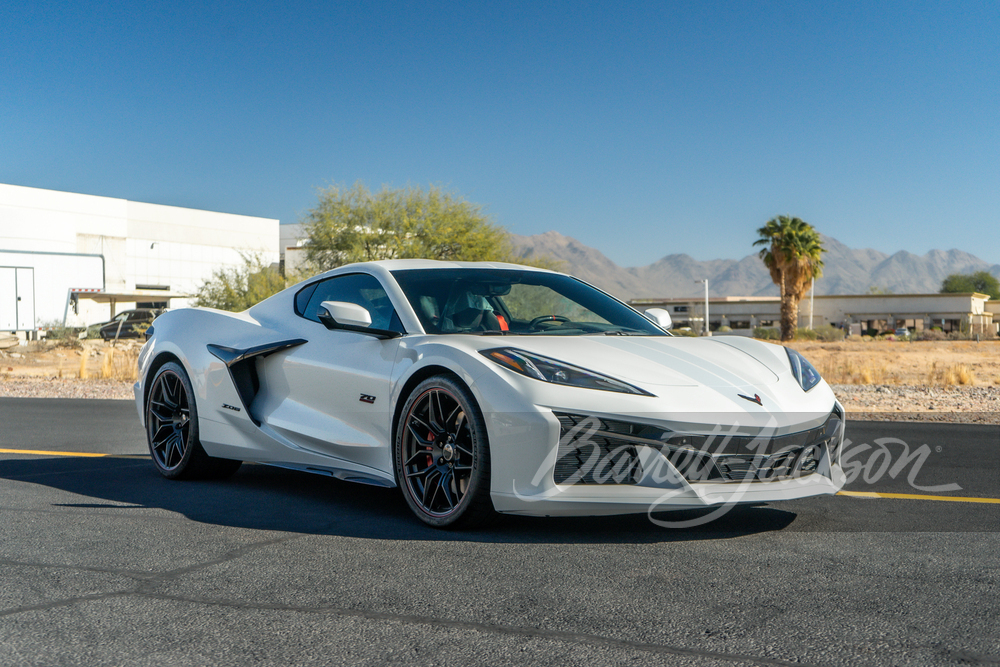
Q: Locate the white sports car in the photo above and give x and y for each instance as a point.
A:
(479, 388)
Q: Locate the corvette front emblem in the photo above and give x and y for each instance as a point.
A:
(754, 399)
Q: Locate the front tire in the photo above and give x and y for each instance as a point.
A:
(442, 455)
(172, 429)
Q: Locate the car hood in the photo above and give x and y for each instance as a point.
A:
(655, 360)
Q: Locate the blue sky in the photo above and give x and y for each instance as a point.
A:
(642, 129)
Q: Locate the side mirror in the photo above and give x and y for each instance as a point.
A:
(351, 317)
(343, 313)
(659, 317)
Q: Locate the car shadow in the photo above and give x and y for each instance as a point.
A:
(264, 498)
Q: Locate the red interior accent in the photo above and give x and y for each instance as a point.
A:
(503, 323)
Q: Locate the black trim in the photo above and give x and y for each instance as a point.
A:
(334, 325)
(243, 372)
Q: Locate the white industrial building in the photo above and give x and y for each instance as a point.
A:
(79, 259)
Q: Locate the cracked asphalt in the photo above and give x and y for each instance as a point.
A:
(105, 563)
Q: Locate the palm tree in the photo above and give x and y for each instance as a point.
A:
(792, 252)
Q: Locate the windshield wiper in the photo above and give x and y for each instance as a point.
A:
(622, 332)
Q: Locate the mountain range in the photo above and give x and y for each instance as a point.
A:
(845, 271)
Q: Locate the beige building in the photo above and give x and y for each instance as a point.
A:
(970, 312)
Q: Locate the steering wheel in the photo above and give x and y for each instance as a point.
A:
(547, 318)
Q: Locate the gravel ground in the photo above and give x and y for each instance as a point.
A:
(960, 404)
(35, 387)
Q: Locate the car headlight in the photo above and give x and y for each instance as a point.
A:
(805, 373)
(549, 370)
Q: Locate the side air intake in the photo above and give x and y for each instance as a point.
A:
(243, 370)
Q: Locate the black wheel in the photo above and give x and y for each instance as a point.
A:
(547, 318)
(172, 429)
(442, 455)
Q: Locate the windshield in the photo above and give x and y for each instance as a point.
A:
(512, 302)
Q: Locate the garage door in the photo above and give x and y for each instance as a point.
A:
(8, 299)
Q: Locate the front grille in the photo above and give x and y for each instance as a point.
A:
(588, 457)
(596, 450)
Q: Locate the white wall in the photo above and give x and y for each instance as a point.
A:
(142, 244)
(54, 275)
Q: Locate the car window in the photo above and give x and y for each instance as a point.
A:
(515, 302)
(525, 302)
(302, 298)
(358, 288)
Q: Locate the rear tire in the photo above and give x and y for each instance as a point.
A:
(172, 429)
(442, 456)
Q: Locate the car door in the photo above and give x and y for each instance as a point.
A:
(116, 327)
(331, 394)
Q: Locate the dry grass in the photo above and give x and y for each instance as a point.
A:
(873, 371)
(951, 375)
(940, 363)
(120, 364)
(855, 371)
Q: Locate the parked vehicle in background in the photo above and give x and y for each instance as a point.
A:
(902, 332)
(126, 324)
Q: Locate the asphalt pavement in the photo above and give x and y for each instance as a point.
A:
(105, 562)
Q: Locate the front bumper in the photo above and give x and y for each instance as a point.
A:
(559, 500)
(634, 468)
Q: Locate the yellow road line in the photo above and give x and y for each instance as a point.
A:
(853, 494)
(39, 452)
(911, 496)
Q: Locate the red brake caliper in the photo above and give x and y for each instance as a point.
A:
(430, 459)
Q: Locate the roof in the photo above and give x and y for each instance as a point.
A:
(407, 264)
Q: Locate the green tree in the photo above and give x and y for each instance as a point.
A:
(236, 288)
(980, 281)
(357, 225)
(792, 252)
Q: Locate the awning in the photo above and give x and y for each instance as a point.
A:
(134, 296)
(114, 298)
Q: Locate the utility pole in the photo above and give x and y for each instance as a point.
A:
(707, 332)
(812, 293)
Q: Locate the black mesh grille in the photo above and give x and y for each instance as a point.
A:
(595, 450)
(590, 454)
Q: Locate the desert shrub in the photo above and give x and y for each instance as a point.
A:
(829, 333)
(60, 335)
(724, 329)
(871, 333)
(684, 332)
(953, 374)
(767, 333)
(803, 333)
(929, 334)
(958, 335)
